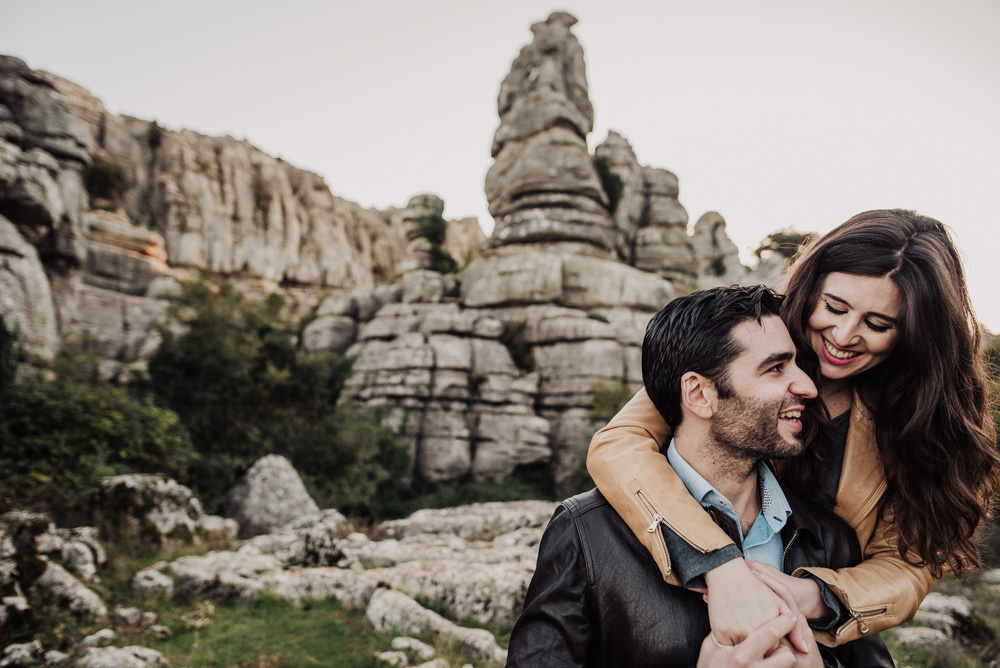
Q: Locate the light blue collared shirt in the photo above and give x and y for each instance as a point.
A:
(763, 541)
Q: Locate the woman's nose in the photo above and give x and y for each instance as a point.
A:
(845, 335)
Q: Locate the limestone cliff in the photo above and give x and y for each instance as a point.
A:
(490, 369)
(100, 215)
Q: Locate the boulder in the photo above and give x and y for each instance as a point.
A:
(123, 657)
(161, 510)
(312, 540)
(477, 521)
(79, 599)
(18, 655)
(269, 496)
(393, 612)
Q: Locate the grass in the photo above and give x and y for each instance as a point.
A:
(273, 633)
(972, 654)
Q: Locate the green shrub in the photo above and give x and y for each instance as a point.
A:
(785, 243)
(60, 437)
(512, 338)
(154, 135)
(434, 227)
(607, 400)
(242, 391)
(106, 180)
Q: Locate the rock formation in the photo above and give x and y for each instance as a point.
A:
(269, 495)
(499, 374)
(490, 370)
(101, 214)
(545, 117)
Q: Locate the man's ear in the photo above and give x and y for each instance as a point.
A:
(698, 395)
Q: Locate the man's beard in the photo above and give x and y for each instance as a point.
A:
(748, 429)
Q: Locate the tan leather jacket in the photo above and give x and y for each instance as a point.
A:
(881, 592)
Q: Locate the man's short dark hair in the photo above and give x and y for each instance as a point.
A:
(695, 333)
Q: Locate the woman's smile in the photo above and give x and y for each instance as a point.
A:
(854, 324)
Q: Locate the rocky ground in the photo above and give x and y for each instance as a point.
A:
(472, 562)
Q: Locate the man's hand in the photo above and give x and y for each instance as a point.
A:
(762, 648)
(742, 602)
(805, 591)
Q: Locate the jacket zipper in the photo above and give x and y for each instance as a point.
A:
(787, 547)
(857, 615)
(657, 520)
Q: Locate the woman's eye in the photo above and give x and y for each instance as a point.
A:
(833, 310)
(875, 327)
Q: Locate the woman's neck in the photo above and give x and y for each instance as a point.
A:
(836, 394)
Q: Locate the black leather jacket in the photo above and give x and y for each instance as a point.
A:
(597, 597)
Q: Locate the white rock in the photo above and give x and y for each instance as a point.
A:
(153, 584)
(391, 611)
(102, 638)
(412, 645)
(81, 600)
(270, 495)
(123, 657)
(921, 637)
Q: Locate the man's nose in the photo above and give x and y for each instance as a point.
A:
(802, 385)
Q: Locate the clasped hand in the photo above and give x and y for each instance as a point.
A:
(758, 621)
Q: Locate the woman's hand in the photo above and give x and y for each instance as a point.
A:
(812, 658)
(804, 591)
(743, 602)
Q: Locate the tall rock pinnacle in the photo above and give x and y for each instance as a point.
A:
(543, 187)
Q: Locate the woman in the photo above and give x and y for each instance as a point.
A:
(902, 445)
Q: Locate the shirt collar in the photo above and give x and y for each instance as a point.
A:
(774, 505)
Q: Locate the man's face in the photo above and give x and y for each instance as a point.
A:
(762, 417)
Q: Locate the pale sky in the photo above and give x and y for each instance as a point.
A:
(775, 113)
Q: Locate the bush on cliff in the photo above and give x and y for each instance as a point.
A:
(243, 391)
(59, 437)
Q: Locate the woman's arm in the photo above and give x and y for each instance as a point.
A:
(625, 462)
(882, 591)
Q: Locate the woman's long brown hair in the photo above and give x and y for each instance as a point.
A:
(929, 398)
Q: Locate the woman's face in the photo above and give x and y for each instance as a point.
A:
(853, 327)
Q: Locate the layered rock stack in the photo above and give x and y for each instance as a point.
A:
(543, 187)
(650, 221)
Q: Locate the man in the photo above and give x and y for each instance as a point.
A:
(720, 367)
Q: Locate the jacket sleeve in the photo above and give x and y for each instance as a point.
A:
(555, 627)
(625, 462)
(881, 592)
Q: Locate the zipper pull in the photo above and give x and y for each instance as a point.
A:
(861, 622)
(657, 518)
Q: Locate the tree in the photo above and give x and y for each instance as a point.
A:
(243, 391)
(59, 437)
(785, 242)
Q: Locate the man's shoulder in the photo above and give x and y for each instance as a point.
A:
(581, 504)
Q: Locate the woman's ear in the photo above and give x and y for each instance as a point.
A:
(698, 395)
